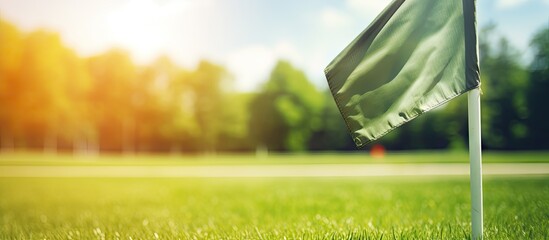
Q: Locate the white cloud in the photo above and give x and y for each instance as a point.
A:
(251, 65)
(333, 18)
(505, 4)
(370, 8)
(314, 68)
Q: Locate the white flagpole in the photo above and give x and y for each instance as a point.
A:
(475, 158)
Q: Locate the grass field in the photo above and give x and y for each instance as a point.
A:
(26, 158)
(516, 207)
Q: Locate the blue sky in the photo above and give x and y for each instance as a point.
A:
(246, 36)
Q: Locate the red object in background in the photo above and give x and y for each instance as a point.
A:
(377, 151)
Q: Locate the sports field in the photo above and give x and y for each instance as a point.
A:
(401, 207)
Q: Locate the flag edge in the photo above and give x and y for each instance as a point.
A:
(412, 117)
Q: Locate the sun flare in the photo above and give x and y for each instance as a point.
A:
(144, 26)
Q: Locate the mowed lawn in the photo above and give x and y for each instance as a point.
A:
(516, 207)
(38, 159)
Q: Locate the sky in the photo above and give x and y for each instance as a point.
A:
(245, 36)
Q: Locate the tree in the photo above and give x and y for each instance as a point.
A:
(174, 95)
(537, 92)
(210, 83)
(11, 47)
(234, 133)
(504, 85)
(42, 89)
(286, 112)
(77, 126)
(49, 74)
(333, 133)
(112, 99)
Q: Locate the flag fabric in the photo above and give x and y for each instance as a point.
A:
(415, 56)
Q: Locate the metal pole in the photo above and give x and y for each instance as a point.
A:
(475, 157)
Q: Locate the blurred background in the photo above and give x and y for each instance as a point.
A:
(149, 76)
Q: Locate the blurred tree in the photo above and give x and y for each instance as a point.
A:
(234, 135)
(286, 112)
(266, 124)
(50, 97)
(173, 91)
(504, 85)
(148, 112)
(78, 127)
(51, 76)
(452, 124)
(112, 99)
(11, 49)
(333, 133)
(537, 92)
(210, 83)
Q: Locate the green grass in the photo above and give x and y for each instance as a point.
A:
(26, 158)
(269, 208)
(262, 208)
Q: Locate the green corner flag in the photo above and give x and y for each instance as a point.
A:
(415, 56)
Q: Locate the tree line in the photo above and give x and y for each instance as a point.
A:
(52, 99)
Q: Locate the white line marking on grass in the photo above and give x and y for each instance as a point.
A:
(320, 170)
